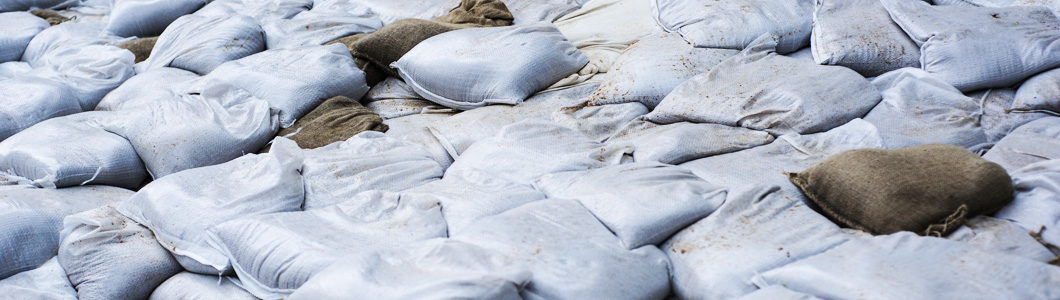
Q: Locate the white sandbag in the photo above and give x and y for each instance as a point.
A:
(761, 90)
(47, 282)
(974, 48)
(469, 195)
(757, 229)
(191, 286)
(678, 143)
(25, 5)
(200, 44)
(318, 26)
(776, 292)
(12, 69)
(1034, 142)
(1001, 236)
(73, 150)
(91, 71)
(28, 100)
(390, 11)
(367, 161)
(108, 256)
(474, 67)
(275, 254)
(413, 129)
(600, 121)
(1041, 92)
(191, 131)
(626, 198)
(860, 35)
(735, 24)
(461, 130)
(804, 54)
(262, 11)
(571, 255)
(180, 208)
(393, 98)
(535, 11)
(920, 108)
(766, 165)
(523, 151)
(602, 29)
(651, 68)
(293, 81)
(68, 36)
(432, 269)
(16, 30)
(906, 266)
(1037, 203)
(147, 18)
(31, 219)
(148, 88)
(996, 119)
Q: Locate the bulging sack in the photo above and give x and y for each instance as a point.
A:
(920, 108)
(474, 67)
(735, 24)
(18, 29)
(24, 5)
(318, 26)
(682, 142)
(147, 89)
(145, 18)
(191, 286)
(860, 35)
(201, 44)
(471, 195)
(1031, 143)
(1039, 93)
(929, 189)
(28, 100)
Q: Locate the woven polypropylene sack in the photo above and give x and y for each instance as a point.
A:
(18, 29)
(735, 24)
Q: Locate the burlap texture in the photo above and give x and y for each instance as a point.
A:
(927, 189)
(140, 47)
(337, 119)
(52, 17)
(374, 52)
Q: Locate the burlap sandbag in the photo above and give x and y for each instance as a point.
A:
(928, 189)
(52, 17)
(140, 47)
(337, 119)
(374, 52)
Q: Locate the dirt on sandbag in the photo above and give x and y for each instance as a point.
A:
(374, 52)
(140, 47)
(52, 17)
(928, 189)
(337, 119)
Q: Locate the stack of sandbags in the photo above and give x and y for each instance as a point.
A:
(860, 35)
(18, 28)
(202, 43)
(146, 18)
(735, 24)
(761, 90)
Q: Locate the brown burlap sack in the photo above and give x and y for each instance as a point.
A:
(337, 119)
(52, 17)
(374, 52)
(140, 47)
(927, 189)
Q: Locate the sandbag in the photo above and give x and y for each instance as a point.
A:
(571, 255)
(928, 189)
(31, 220)
(432, 269)
(261, 11)
(651, 68)
(73, 150)
(1001, 236)
(974, 48)
(536, 11)
(758, 228)
(602, 29)
(625, 198)
(1037, 200)
(467, 196)
(860, 35)
(920, 108)
(318, 26)
(275, 254)
(906, 266)
(191, 286)
(735, 24)
(392, 98)
(141, 47)
(996, 118)
(47, 282)
(28, 100)
(761, 90)
(144, 18)
(1034, 142)
(180, 208)
(682, 142)
(766, 165)
(414, 129)
(91, 71)
(201, 44)
(70, 36)
(391, 11)
(147, 89)
(24, 5)
(599, 121)
(509, 64)
(18, 29)
(190, 131)
(1041, 92)
(12, 69)
(108, 256)
(367, 161)
(526, 150)
(335, 120)
(293, 81)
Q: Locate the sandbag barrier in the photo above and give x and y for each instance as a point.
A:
(541, 149)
